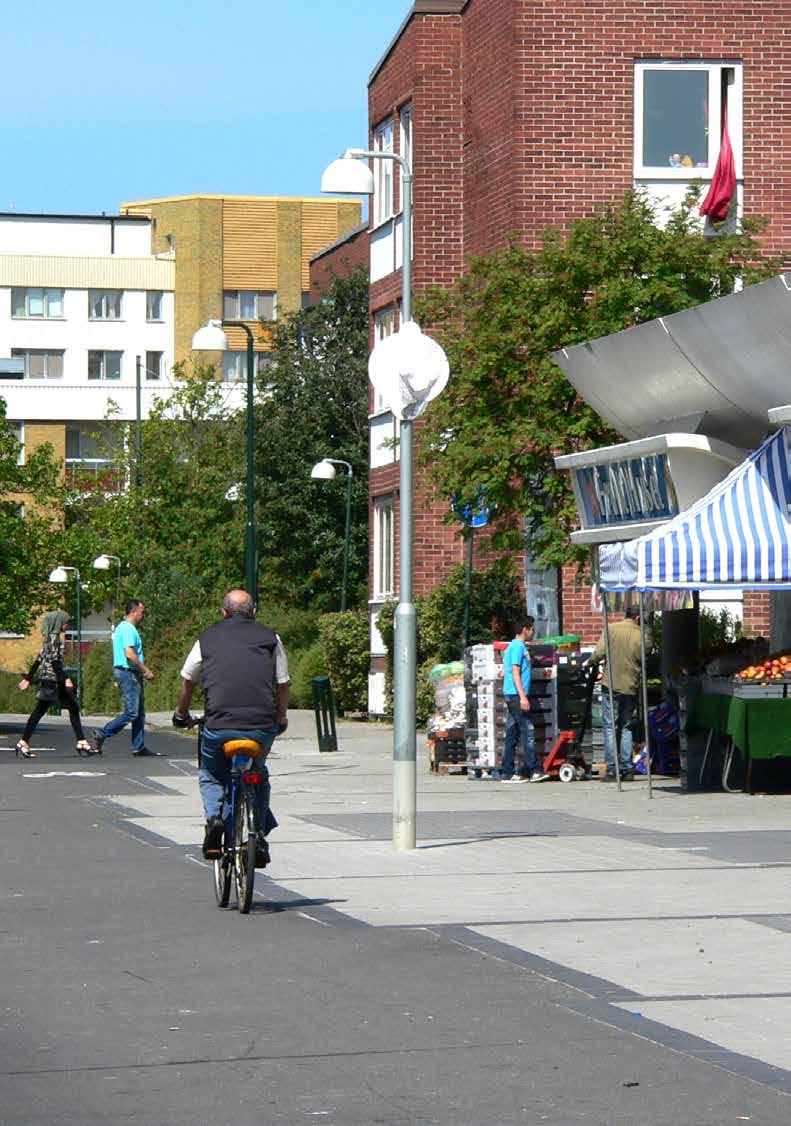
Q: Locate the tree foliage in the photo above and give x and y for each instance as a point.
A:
(27, 545)
(508, 409)
(315, 406)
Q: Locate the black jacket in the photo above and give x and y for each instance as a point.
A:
(238, 675)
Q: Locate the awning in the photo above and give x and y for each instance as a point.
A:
(737, 535)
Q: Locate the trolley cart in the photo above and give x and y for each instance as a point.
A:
(566, 759)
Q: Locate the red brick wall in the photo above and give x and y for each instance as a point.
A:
(341, 259)
(523, 118)
(756, 612)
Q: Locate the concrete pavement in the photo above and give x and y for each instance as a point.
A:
(647, 941)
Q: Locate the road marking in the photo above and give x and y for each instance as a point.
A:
(67, 774)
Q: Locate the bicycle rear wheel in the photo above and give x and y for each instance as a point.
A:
(244, 851)
(222, 878)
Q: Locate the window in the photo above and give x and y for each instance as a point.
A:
(104, 304)
(383, 174)
(405, 140)
(384, 325)
(249, 305)
(154, 305)
(384, 548)
(90, 450)
(234, 365)
(37, 302)
(19, 434)
(40, 364)
(104, 365)
(679, 113)
(154, 365)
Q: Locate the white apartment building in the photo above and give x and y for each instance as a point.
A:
(81, 299)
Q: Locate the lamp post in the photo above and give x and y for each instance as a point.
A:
(404, 364)
(60, 575)
(102, 563)
(211, 338)
(324, 470)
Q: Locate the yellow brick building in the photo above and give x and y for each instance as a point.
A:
(240, 258)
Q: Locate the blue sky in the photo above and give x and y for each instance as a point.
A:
(176, 97)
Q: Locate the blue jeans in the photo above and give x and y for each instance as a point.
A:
(624, 710)
(215, 771)
(131, 685)
(519, 728)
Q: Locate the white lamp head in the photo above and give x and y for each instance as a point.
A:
(210, 338)
(59, 575)
(323, 471)
(101, 563)
(347, 176)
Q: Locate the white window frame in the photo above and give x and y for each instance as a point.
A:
(260, 298)
(384, 326)
(234, 365)
(154, 374)
(104, 353)
(20, 437)
(46, 298)
(111, 303)
(152, 296)
(383, 204)
(406, 144)
(384, 547)
(26, 353)
(735, 101)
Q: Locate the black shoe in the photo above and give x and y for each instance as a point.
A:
(98, 740)
(262, 857)
(146, 753)
(627, 775)
(212, 840)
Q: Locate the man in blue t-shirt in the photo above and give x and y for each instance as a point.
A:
(516, 690)
(129, 672)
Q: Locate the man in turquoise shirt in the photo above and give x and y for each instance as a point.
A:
(129, 672)
(516, 690)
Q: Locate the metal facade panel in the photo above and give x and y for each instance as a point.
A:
(55, 272)
(249, 234)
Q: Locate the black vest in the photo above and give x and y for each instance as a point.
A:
(238, 675)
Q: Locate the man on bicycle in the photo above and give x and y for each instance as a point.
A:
(243, 670)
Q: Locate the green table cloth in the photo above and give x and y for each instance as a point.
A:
(759, 728)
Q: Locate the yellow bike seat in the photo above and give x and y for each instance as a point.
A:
(247, 747)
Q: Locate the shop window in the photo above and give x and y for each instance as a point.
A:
(384, 548)
(679, 113)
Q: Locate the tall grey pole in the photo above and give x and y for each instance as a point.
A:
(138, 427)
(405, 618)
(645, 696)
(347, 539)
(405, 663)
(616, 747)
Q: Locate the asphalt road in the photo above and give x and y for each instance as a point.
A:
(128, 997)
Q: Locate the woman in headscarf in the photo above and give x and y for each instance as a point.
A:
(54, 687)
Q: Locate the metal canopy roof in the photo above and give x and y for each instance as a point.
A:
(716, 369)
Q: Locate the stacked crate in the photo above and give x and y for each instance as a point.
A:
(543, 696)
(487, 714)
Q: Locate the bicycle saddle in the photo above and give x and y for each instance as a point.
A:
(247, 747)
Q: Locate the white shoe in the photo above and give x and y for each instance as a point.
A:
(538, 776)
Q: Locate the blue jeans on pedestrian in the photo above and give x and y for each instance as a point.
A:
(215, 771)
(519, 728)
(131, 685)
(624, 710)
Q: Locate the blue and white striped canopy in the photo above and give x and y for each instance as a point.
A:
(738, 535)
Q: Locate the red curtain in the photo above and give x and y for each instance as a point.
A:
(723, 183)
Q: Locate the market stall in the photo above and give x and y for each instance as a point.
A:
(737, 536)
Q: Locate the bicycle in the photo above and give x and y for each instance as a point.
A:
(240, 837)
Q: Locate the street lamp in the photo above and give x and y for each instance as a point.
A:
(60, 575)
(410, 372)
(324, 470)
(102, 563)
(211, 338)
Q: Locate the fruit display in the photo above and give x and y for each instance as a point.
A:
(773, 669)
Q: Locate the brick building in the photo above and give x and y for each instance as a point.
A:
(520, 115)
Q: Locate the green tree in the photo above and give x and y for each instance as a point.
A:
(29, 497)
(180, 533)
(314, 405)
(508, 409)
